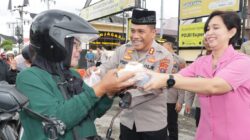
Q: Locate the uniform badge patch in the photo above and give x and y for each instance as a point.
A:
(164, 63)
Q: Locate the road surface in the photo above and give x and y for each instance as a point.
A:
(186, 124)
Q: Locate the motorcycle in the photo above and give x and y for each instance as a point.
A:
(9, 118)
(8, 126)
(12, 101)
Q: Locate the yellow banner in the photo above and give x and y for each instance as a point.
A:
(198, 8)
(191, 35)
(104, 8)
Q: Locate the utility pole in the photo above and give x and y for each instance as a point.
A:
(248, 13)
(12, 26)
(48, 3)
(161, 20)
(144, 4)
(87, 3)
(19, 30)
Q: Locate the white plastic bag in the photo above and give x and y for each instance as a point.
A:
(93, 79)
(140, 78)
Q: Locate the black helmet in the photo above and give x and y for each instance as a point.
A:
(51, 28)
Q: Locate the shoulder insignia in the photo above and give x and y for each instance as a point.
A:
(151, 51)
(128, 54)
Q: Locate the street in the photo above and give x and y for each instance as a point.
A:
(186, 124)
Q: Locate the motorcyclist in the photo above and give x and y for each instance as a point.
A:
(53, 88)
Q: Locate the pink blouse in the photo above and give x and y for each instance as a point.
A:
(225, 116)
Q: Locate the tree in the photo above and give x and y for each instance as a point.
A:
(7, 45)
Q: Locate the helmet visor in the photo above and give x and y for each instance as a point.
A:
(59, 35)
(84, 38)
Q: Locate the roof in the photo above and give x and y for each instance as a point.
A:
(6, 37)
(170, 26)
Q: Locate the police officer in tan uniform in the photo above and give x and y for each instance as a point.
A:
(175, 97)
(146, 119)
(245, 47)
(190, 99)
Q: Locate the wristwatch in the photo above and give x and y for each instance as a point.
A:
(170, 82)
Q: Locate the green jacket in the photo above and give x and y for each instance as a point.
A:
(45, 98)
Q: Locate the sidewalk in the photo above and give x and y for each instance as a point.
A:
(186, 125)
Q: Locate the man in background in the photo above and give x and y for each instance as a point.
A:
(90, 56)
(245, 47)
(175, 97)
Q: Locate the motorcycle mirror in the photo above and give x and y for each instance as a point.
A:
(126, 99)
(11, 100)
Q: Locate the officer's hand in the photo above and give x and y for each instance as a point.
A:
(112, 84)
(178, 107)
(90, 70)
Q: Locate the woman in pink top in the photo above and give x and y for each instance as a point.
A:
(221, 79)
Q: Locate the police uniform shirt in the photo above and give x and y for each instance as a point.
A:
(149, 111)
(245, 47)
(191, 98)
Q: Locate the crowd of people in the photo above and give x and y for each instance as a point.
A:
(96, 59)
(45, 73)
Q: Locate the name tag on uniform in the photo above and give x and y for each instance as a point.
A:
(123, 62)
(149, 66)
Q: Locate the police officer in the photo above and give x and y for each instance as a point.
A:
(146, 118)
(190, 99)
(245, 47)
(175, 97)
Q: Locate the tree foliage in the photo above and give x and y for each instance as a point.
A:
(7, 45)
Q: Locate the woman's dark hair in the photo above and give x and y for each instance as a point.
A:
(230, 19)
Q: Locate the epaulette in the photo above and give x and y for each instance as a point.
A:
(160, 49)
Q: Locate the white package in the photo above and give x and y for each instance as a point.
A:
(93, 79)
(140, 78)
